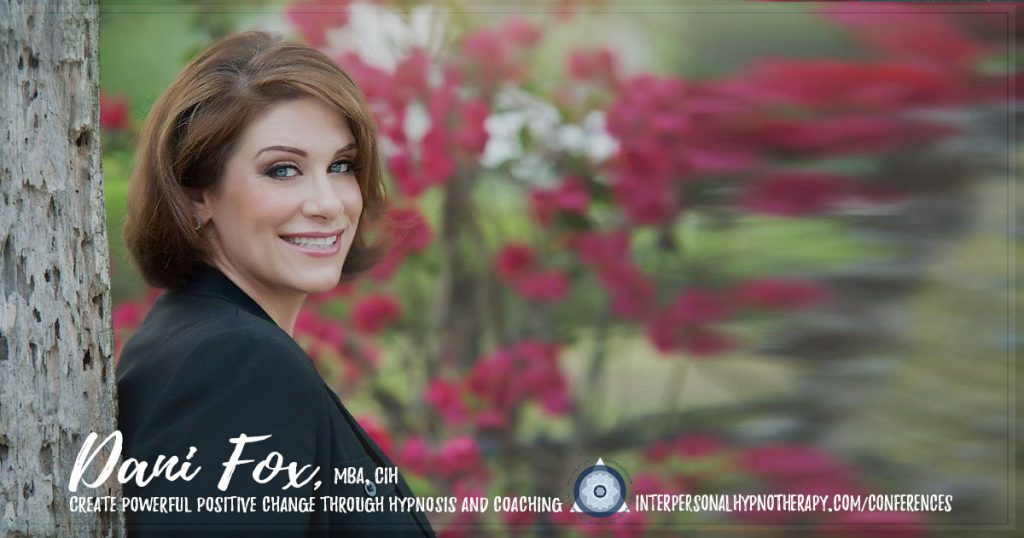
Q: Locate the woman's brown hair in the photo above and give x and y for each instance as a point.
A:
(193, 127)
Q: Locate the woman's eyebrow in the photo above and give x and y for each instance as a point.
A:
(351, 146)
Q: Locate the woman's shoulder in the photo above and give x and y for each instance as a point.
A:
(206, 339)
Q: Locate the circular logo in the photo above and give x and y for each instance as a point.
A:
(600, 490)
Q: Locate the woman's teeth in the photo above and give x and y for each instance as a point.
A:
(313, 242)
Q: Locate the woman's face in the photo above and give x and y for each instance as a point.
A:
(282, 217)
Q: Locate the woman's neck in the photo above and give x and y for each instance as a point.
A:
(282, 306)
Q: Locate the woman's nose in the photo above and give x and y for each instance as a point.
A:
(321, 198)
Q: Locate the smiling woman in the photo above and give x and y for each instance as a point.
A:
(284, 214)
(257, 176)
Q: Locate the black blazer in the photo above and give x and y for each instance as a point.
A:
(208, 364)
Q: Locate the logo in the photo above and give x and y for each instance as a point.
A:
(599, 491)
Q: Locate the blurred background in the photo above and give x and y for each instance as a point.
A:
(735, 247)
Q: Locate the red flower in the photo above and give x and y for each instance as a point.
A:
(472, 136)
(543, 287)
(327, 331)
(602, 248)
(696, 307)
(597, 65)
(313, 18)
(646, 202)
(446, 398)
(794, 193)
(912, 32)
(375, 312)
(836, 85)
(411, 74)
(631, 291)
(414, 457)
(514, 260)
(488, 58)
(569, 197)
(844, 135)
(410, 230)
(113, 112)
(492, 419)
(683, 325)
(778, 293)
(457, 456)
(520, 31)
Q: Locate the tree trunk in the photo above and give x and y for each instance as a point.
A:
(56, 371)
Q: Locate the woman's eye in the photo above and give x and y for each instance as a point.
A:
(282, 171)
(342, 167)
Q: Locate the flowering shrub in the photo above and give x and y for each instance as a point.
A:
(473, 307)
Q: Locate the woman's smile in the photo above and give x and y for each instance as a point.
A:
(316, 244)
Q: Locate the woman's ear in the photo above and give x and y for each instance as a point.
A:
(201, 207)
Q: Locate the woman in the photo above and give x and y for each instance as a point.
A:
(257, 172)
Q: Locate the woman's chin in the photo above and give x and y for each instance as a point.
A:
(319, 281)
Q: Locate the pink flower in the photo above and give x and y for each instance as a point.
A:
(520, 31)
(488, 57)
(646, 202)
(411, 74)
(778, 293)
(472, 136)
(457, 456)
(543, 287)
(794, 193)
(843, 135)
(410, 229)
(696, 307)
(912, 32)
(414, 457)
(446, 398)
(602, 248)
(514, 260)
(492, 380)
(683, 325)
(631, 291)
(436, 164)
(569, 197)
(556, 402)
(375, 312)
(323, 330)
(113, 112)
(492, 419)
(315, 17)
(597, 65)
(844, 86)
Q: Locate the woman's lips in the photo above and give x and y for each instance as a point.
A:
(316, 244)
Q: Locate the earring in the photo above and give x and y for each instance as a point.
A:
(199, 223)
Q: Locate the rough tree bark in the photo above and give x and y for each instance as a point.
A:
(56, 372)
